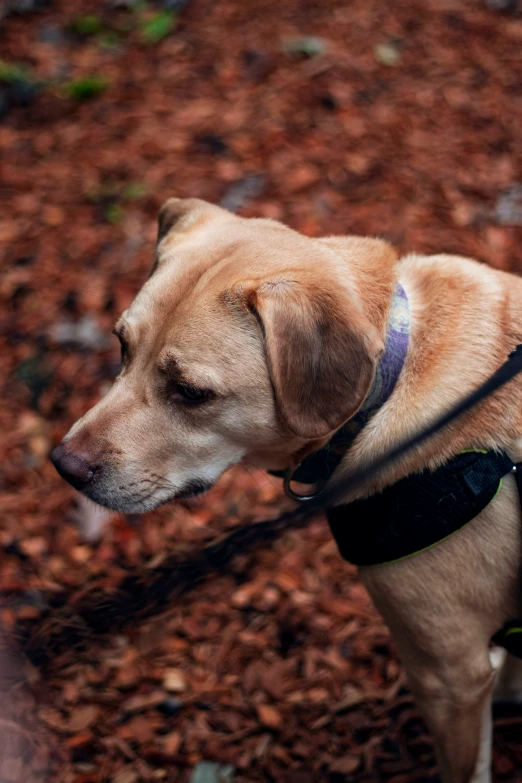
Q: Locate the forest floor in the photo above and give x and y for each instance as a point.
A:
(400, 120)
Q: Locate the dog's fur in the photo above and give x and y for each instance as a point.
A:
(286, 333)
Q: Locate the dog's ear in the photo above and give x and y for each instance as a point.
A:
(179, 214)
(322, 352)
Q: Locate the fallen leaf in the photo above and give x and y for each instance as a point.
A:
(269, 716)
(174, 681)
(345, 765)
(81, 718)
(126, 776)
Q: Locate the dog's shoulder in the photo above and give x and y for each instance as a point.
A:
(449, 267)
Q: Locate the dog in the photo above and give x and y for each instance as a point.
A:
(252, 343)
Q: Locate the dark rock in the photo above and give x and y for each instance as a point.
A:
(14, 549)
(27, 6)
(4, 103)
(257, 64)
(19, 292)
(70, 303)
(170, 706)
(22, 92)
(337, 777)
(290, 636)
(505, 6)
(362, 734)
(34, 598)
(110, 303)
(508, 209)
(51, 34)
(36, 375)
(242, 191)
(390, 746)
(172, 5)
(25, 261)
(81, 754)
(328, 102)
(212, 143)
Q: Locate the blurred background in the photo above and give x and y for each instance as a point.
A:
(400, 120)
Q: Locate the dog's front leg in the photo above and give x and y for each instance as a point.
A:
(445, 655)
(443, 606)
(456, 706)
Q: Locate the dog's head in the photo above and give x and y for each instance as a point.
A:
(247, 342)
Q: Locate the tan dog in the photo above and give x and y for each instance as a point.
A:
(250, 342)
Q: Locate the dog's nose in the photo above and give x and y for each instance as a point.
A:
(74, 468)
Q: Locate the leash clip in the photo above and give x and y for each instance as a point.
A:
(289, 492)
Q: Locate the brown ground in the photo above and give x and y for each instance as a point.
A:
(405, 124)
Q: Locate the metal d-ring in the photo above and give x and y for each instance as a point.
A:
(289, 477)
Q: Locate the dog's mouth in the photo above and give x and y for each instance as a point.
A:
(193, 488)
(127, 501)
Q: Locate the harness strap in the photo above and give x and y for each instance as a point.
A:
(420, 510)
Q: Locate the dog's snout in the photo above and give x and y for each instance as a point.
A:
(77, 469)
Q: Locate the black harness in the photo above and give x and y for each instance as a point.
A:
(417, 512)
(422, 510)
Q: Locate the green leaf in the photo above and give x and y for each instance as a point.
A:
(87, 25)
(387, 53)
(133, 190)
(308, 45)
(9, 72)
(158, 27)
(108, 39)
(87, 87)
(99, 193)
(114, 213)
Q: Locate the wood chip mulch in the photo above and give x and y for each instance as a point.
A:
(395, 119)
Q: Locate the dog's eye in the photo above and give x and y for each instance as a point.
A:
(191, 394)
(124, 351)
